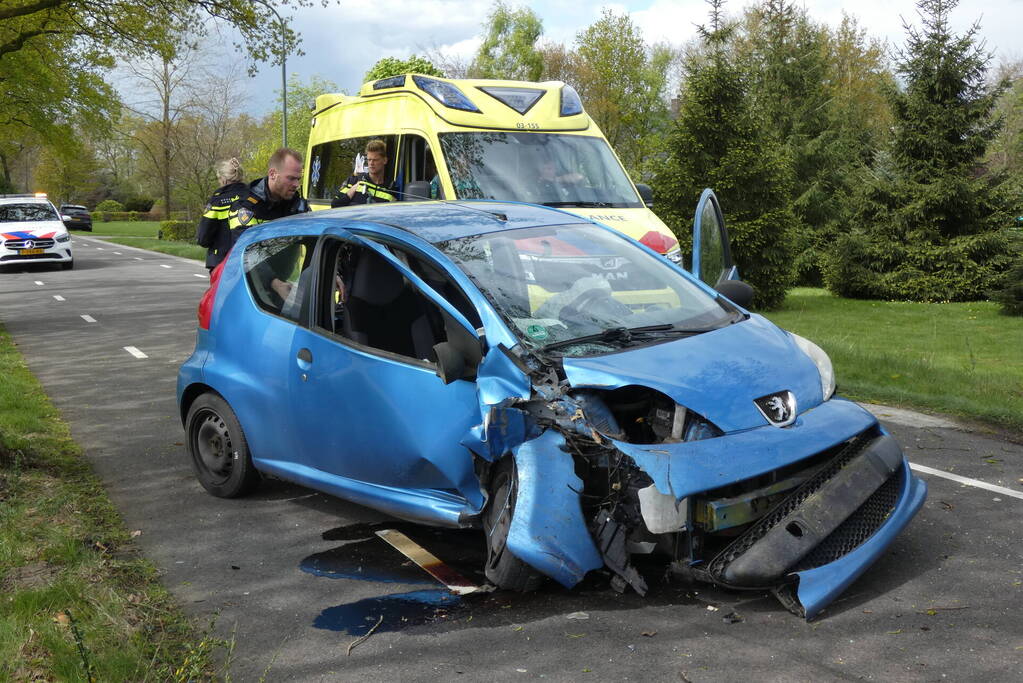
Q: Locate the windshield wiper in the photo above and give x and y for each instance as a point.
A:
(627, 335)
(582, 205)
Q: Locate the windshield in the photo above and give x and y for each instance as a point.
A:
(23, 213)
(584, 290)
(541, 168)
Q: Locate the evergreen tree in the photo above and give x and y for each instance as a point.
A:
(720, 141)
(930, 225)
(809, 83)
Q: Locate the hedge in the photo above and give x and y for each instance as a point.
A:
(182, 231)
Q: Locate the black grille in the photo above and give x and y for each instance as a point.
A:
(771, 519)
(860, 525)
(28, 257)
(37, 243)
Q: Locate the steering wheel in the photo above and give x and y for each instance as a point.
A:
(593, 303)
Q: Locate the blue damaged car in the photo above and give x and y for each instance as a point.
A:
(542, 377)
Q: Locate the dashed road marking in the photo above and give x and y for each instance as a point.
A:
(58, 297)
(39, 282)
(966, 480)
(135, 352)
(119, 253)
(198, 275)
(139, 258)
(100, 248)
(164, 265)
(88, 318)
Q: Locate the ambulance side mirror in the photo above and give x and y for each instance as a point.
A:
(416, 191)
(647, 194)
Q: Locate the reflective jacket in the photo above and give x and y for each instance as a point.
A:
(372, 192)
(255, 207)
(213, 232)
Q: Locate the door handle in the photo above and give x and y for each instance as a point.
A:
(305, 355)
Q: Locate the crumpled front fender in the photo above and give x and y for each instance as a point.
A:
(548, 531)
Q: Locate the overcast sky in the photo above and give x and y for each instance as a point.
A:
(342, 42)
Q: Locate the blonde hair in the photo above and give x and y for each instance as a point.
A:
(229, 171)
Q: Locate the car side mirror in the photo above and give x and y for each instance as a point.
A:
(647, 194)
(416, 191)
(450, 362)
(737, 291)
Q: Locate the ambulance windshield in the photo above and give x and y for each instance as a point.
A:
(541, 168)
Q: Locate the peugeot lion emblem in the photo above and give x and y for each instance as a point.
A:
(29, 244)
(778, 408)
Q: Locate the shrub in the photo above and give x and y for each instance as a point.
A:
(1010, 286)
(182, 231)
(109, 205)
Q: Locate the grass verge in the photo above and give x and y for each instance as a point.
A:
(78, 602)
(126, 228)
(189, 250)
(957, 358)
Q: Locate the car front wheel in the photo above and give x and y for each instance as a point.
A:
(503, 569)
(217, 446)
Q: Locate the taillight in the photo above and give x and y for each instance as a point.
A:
(206, 302)
(659, 242)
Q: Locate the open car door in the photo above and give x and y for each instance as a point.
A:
(712, 257)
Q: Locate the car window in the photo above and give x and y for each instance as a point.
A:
(364, 299)
(331, 163)
(562, 283)
(24, 213)
(277, 271)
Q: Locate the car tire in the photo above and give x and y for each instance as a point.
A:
(67, 265)
(218, 449)
(503, 569)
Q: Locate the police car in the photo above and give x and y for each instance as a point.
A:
(31, 231)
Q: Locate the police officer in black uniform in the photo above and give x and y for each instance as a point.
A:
(274, 196)
(213, 232)
(367, 188)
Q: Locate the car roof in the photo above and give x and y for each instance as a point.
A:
(23, 199)
(72, 206)
(441, 221)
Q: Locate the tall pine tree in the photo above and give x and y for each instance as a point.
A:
(930, 224)
(720, 141)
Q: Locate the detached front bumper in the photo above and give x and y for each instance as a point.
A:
(819, 539)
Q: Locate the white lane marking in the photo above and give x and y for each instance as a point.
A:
(119, 253)
(88, 319)
(198, 275)
(100, 248)
(135, 352)
(139, 258)
(39, 282)
(966, 480)
(58, 297)
(164, 265)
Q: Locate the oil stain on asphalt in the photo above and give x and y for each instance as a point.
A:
(363, 556)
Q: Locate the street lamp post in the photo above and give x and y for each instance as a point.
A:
(284, 76)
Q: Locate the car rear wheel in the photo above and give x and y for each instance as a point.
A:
(217, 446)
(503, 569)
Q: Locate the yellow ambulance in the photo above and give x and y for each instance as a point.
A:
(481, 139)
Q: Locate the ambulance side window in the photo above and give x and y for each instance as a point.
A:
(417, 164)
(331, 163)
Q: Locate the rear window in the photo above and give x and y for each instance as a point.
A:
(24, 213)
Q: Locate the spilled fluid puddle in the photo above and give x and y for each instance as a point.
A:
(363, 556)
(392, 612)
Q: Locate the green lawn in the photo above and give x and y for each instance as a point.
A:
(78, 602)
(957, 358)
(126, 228)
(186, 249)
